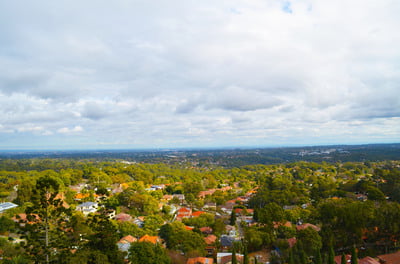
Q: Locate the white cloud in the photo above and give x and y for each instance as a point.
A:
(66, 130)
(200, 72)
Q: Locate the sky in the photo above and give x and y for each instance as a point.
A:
(137, 74)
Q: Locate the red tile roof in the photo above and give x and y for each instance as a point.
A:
(368, 260)
(206, 230)
(307, 225)
(393, 258)
(338, 259)
(292, 241)
(210, 239)
(198, 213)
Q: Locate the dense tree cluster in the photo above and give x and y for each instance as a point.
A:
(346, 206)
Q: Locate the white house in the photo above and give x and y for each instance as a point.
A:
(87, 207)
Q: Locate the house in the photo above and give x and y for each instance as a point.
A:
(122, 217)
(183, 212)
(180, 197)
(6, 206)
(338, 259)
(139, 221)
(392, 258)
(150, 239)
(210, 242)
(81, 196)
(231, 203)
(200, 260)
(119, 188)
(231, 230)
(307, 225)
(203, 194)
(197, 213)
(210, 239)
(225, 258)
(125, 243)
(206, 230)
(210, 206)
(241, 211)
(158, 187)
(226, 242)
(246, 219)
(292, 241)
(227, 209)
(87, 207)
(369, 260)
(167, 197)
(23, 219)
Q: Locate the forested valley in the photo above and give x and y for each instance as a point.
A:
(69, 210)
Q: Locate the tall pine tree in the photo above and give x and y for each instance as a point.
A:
(318, 258)
(331, 256)
(354, 257)
(234, 260)
(47, 223)
(343, 260)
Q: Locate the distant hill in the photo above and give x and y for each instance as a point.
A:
(227, 157)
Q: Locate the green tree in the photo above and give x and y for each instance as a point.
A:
(104, 238)
(318, 257)
(16, 260)
(354, 257)
(232, 220)
(47, 222)
(144, 252)
(291, 258)
(234, 260)
(245, 254)
(6, 224)
(310, 239)
(343, 259)
(331, 255)
(178, 238)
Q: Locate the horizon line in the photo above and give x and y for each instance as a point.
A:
(150, 149)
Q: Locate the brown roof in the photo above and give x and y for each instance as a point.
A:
(338, 259)
(307, 225)
(210, 239)
(278, 224)
(127, 239)
(206, 229)
(123, 217)
(368, 260)
(200, 260)
(393, 258)
(292, 241)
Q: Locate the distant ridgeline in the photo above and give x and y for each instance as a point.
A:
(227, 157)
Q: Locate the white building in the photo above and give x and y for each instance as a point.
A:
(87, 208)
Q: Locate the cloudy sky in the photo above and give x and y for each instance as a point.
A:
(99, 74)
